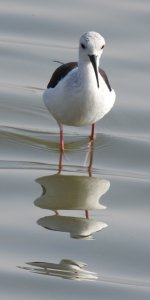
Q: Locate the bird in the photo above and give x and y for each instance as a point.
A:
(79, 93)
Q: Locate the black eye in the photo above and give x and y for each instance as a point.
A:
(83, 46)
(102, 47)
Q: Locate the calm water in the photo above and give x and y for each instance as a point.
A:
(50, 255)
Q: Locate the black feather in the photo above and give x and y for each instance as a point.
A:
(64, 69)
(60, 73)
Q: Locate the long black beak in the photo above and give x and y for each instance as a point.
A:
(94, 64)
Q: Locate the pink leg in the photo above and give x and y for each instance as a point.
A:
(62, 148)
(92, 137)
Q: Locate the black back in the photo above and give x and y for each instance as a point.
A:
(64, 69)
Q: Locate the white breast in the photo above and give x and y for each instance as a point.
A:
(79, 102)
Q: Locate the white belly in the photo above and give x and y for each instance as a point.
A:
(78, 105)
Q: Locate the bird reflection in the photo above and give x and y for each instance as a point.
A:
(66, 269)
(65, 192)
(70, 192)
(79, 228)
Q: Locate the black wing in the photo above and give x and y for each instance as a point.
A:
(103, 74)
(60, 73)
(64, 69)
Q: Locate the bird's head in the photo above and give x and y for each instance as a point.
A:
(91, 46)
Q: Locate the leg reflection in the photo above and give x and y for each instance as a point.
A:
(91, 152)
(90, 156)
(89, 168)
(86, 214)
(60, 166)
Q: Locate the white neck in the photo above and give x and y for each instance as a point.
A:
(86, 74)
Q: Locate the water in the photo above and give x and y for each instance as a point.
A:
(61, 256)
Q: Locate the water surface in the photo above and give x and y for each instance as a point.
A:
(49, 249)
